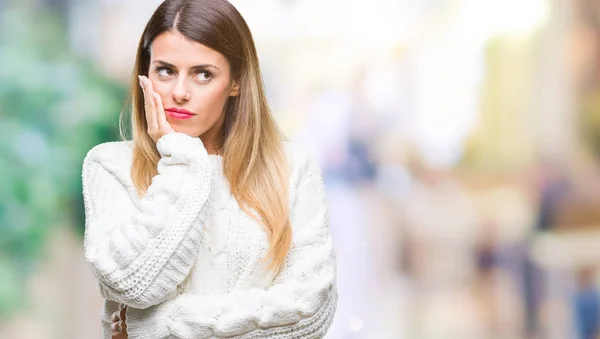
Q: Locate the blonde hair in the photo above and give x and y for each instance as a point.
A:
(254, 161)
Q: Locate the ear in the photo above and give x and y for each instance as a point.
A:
(235, 89)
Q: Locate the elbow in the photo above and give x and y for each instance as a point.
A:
(321, 321)
(317, 324)
(100, 263)
(327, 312)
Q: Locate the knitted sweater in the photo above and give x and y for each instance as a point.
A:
(185, 258)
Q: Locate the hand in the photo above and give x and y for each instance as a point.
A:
(118, 326)
(155, 112)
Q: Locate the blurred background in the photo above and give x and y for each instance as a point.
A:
(459, 141)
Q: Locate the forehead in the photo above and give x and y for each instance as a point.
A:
(176, 49)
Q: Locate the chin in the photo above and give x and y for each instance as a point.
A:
(183, 129)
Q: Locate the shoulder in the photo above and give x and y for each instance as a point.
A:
(110, 158)
(298, 155)
(112, 153)
(115, 157)
(301, 161)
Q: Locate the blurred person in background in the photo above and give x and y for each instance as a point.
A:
(487, 265)
(553, 189)
(207, 223)
(586, 305)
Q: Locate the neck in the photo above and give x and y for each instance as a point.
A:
(210, 139)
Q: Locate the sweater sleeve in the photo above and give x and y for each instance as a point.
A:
(300, 303)
(141, 250)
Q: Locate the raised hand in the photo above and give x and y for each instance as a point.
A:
(155, 112)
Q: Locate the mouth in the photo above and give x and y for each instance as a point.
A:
(179, 113)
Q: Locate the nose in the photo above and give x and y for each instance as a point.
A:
(180, 91)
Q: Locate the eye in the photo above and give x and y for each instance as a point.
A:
(203, 75)
(163, 72)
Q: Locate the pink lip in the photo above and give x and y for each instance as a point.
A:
(179, 113)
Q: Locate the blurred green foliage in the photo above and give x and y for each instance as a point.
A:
(54, 107)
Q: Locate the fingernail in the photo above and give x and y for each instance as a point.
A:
(141, 80)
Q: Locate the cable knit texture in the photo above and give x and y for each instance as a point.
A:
(186, 260)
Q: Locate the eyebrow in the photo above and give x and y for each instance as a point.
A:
(202, 66)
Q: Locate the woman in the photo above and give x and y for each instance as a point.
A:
(206, 224)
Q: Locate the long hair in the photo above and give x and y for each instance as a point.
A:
(254, 160)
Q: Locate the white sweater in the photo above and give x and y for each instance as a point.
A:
(185, 259)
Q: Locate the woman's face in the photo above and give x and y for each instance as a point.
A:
(192, 77)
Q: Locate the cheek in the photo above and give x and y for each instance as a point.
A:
(212, 98)
(161, 88)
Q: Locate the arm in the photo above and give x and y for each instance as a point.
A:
(300, 304)
(140, 252)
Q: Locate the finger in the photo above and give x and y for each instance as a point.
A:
(148, 103)
(123, 326)
(115, 327)
(115, 317)
(160, 111)
(152, 98)
(123, 313)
